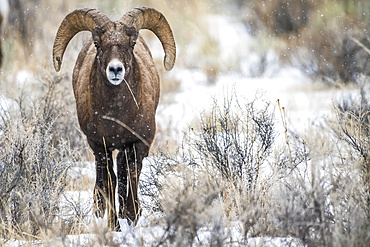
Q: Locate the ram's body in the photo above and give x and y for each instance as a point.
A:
(116, 102)
(116, 86)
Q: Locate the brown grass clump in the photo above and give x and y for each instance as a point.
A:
(39, 142)
(354, 128)
(33, 166)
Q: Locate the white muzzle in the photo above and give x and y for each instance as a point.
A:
(115, 72)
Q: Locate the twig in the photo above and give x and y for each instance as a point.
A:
(133, 96)
(283, 119)
(361, 45)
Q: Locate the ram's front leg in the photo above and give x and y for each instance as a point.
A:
(133, 206)
(105, 187)
(133, 209)
(110, 186)
(99, 192)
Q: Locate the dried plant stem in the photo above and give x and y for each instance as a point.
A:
(285, 125)
(133, 96)
(361, 45)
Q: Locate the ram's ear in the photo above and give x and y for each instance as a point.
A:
(133, 34)
(96, 36)
(133, 40)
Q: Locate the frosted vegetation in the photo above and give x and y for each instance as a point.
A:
(262, 138)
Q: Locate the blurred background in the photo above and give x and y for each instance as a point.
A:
(323, 38)
(327, 41)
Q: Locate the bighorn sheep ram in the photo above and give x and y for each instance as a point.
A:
(116, 86)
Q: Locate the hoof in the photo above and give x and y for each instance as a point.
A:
(113, 223)
(132, 217)
(116, 228)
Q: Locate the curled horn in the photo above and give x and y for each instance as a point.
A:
(76, 21)
(151, 19)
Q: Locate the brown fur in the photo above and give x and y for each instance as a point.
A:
(116, 102)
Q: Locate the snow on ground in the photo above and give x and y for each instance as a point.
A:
(305, 104)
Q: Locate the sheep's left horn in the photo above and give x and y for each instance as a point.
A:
(149, 18)
(74, 22)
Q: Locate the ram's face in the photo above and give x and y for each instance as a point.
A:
(115, 51)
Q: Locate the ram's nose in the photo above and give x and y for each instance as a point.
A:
(116, 69)
(115, 72)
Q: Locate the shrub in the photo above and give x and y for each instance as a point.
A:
(353, 116)
(215, 177)
(33, 166)
(229, 183)
(237, 139)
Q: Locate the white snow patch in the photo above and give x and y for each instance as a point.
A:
(24, 78)
(303, 102)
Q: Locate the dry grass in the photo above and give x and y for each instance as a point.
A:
(226, 185)
(353, 128)
(33, 164)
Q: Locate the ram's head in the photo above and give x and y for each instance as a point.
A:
(114, 41)
(115, 51)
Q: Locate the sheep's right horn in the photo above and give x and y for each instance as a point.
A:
(74, 22)
(149, 18)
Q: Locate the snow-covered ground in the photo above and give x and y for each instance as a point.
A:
(305, 103)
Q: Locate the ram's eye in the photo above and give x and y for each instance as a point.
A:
(133, 44)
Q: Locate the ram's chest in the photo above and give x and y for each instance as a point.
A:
(116, 123)
(114, 133)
